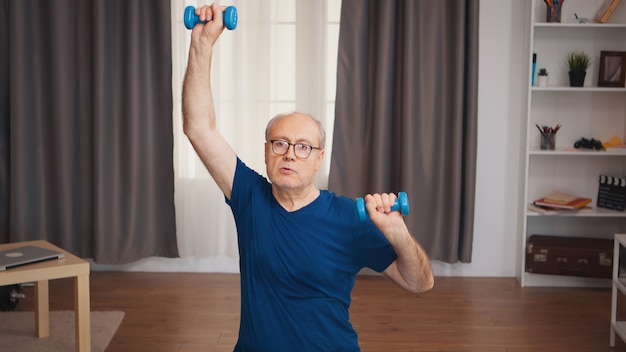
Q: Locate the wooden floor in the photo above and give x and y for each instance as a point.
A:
(174, 312)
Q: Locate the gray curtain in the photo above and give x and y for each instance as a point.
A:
(86, 127)
(406, 113)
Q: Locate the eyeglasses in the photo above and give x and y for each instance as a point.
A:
(302, 151)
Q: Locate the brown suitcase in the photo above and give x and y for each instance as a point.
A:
(573, 256)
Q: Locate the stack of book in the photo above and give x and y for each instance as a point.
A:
(615, 144)
(558, 201)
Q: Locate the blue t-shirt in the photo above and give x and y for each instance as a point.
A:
(298, 268)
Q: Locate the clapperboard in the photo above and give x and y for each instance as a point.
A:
(612, 193)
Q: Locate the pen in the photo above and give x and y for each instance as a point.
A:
(547, 129)
(539, 128)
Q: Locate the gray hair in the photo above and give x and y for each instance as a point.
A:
(322, 132)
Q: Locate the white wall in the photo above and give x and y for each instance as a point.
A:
(501, 70)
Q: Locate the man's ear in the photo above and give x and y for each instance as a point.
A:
(267, 145)
(320, 158)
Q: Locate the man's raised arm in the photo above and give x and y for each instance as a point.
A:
(198, 108)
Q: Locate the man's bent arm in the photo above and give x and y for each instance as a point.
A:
(412, 269)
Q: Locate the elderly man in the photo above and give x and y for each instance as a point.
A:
(300, 247)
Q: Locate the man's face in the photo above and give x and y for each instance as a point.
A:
(289, 172)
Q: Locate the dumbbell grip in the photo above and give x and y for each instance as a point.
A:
(191, 19)
(401, 204)
(396, 205)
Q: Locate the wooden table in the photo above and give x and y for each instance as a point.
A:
(40, 274)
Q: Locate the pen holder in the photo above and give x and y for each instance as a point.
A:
(553, 13)
(548, 140)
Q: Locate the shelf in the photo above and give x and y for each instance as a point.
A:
(588, 111)
(545, 280)
(620, 329)
(621, 284)
(579, 89)
(618, 284)
(569, 151)
(583, 213)
(579, 25)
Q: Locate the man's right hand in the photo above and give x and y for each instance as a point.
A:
(214, 14)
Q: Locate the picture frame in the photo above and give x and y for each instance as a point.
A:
(612, 69)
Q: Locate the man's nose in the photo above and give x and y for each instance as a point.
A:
(291, 152)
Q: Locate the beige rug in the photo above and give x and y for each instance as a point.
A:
(17, 331)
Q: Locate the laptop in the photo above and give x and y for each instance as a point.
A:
(18, 256)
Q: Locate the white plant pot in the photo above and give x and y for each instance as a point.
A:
(542, 81)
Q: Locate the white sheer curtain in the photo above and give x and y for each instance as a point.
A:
(278, 59)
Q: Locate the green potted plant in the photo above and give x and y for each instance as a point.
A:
(542, 76)
(578, 63)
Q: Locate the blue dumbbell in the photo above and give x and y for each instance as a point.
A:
(401, 204)
(191, 19)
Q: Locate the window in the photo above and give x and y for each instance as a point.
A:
(281, 57)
